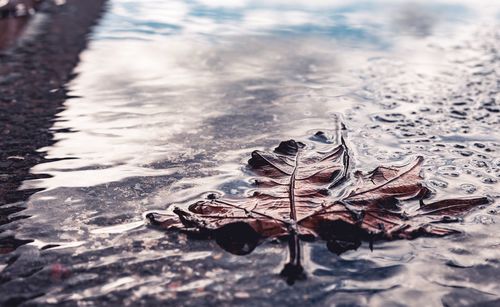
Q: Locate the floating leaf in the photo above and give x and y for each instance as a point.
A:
(307, 191)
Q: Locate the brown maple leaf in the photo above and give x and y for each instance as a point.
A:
(306, 192)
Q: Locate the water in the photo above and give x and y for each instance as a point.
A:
(169, 101)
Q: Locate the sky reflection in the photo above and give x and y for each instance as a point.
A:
(168, 72)
(373, 22)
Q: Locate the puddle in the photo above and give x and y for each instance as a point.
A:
(170, 99)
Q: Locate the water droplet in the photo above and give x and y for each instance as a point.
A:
(488, 180)
(468, 188)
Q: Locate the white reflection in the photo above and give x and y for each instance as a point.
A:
(176, 97)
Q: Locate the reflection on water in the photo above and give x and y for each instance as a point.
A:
(170, 99)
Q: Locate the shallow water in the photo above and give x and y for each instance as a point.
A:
(171, 98)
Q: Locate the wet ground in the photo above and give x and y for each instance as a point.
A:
(169, 100)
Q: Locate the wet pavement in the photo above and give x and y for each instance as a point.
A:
(169, 100)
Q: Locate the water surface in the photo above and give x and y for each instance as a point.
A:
(172, 97)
